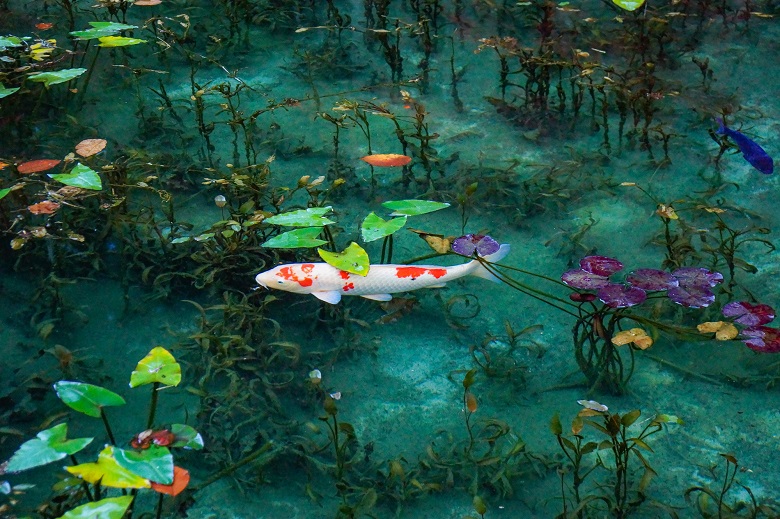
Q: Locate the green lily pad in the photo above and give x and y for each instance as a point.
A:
(86, 398)
(311, 217)
(101, 29)
(49, 445)
(80, 176)
(186, 437)
(374, 227)
(413, 207)
(159, 366)
(108, 472)
(56, 77)
(154, 463)
(353, 259)
(108, 508)
(9, 41)
(119, 41)
(629, 5)
(4, 192)
(299, 238)
(5, 92)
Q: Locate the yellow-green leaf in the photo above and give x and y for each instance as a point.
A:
(108, 472)
(158, 366)
(119, 41)
(629, 5)
(353, 259)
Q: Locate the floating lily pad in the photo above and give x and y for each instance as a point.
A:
(413, 207)
(629, 5)
(374, 227)
(186, 437)
(154, 463)
(299, 238)
(600, 265)
(119, 41)
(584, 280)
(692, 296)
(749, 315)
(9, 41)
(652, 279)
(470, 243)
(158, 366)
(86, 398)
(49, 445)
(697, 276)
(353, 259)
(108, 472)
(101, 29)
(5, 92)
(108, 508)
(621, 296)
(311, 217)
(80, 176)
(56, 77)
(762, 339)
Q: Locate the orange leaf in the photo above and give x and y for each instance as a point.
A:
(385, 160)
(89, 147)
(36, 166)
(471, 402)
(44, 26)
(181, 478)
(45, 207)
(3, 165)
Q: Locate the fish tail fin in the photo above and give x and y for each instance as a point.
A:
(481, 272)
(721, 126)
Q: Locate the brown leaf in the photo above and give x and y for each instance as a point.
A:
(89, 147)
(45, 207)
(36, 166)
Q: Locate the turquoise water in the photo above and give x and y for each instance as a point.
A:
(242, 99)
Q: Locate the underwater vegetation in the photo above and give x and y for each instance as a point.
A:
(176, 179)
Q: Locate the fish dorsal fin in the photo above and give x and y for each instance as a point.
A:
(332, 296)
(378, 297)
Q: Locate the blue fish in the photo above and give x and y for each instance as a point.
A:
(753, 153)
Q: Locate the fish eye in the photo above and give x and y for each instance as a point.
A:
(281, 282)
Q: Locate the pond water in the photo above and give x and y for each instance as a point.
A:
(563, 129)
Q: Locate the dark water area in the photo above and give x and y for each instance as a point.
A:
(156, 156)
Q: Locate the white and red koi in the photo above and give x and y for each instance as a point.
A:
(328, 283)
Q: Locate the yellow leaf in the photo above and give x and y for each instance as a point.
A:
(724, 331)
(666, 211)
(108, 472)
(643, 342)
(636, 335)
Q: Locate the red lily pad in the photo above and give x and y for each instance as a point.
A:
(762, 339)
(652, 279)
(621, 296)
(600, 265)
(584, 280)
(697, 276)
(692, 296)
(749, 315)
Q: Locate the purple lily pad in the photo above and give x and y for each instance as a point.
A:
(692, 296)
(652, 279)
(470, 243)
(762, 339)
(697, 276)
(749, 315)
(600, 265)
(584, 280)
(621, 296)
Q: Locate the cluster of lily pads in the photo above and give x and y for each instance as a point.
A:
(687, 286)
(755, 335)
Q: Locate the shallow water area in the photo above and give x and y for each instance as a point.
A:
(562, 130)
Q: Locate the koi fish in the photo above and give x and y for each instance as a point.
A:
(753, 153)
(327, 283)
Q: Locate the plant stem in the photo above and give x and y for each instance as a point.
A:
(83, 483)
(153, 405)
(107, 426)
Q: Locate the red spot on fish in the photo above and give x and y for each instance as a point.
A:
(289, 274)
(348, 286)
(409, 272)
(306, 268)
(344, 274)
(437, 273)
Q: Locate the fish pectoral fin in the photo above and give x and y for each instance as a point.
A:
(378, 297)
(332, 296)
(437, 285)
